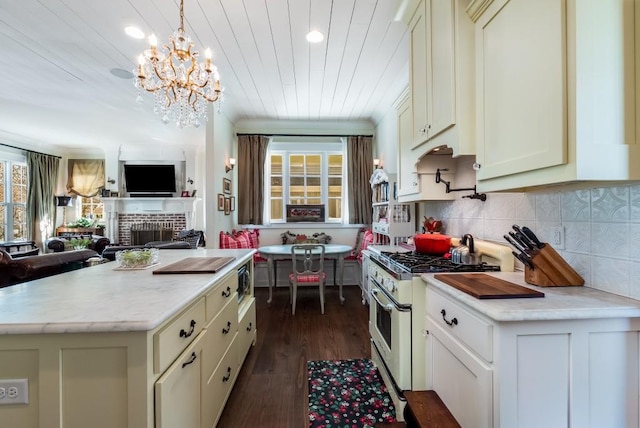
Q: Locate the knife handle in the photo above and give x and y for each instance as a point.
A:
(532, 236)
(523, 259)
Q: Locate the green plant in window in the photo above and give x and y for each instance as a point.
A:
(82, 222)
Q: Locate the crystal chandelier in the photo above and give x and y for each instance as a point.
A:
(181, 87)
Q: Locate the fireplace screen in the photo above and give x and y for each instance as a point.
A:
(142, 233)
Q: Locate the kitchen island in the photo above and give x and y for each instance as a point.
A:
(568, 359)
(105, 347)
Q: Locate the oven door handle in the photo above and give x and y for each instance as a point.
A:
(387, 307)
(374, 294)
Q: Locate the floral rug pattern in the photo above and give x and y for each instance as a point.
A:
(347, 394)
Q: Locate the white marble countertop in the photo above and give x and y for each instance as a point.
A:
(102, 299)
(559, 303)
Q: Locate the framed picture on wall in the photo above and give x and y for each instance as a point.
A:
(221, 199)
(227, 206)
(226, 186)
(233, 203)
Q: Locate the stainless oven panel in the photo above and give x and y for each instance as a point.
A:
(244, 282)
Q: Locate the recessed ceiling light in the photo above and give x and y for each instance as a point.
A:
(121, 73)
(315, 37)
(134, 32)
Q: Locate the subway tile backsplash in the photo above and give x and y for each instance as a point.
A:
(601, 228)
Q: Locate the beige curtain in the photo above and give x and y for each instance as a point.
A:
(86, 177)
(43, 173)
(359, 170)
(252, 153)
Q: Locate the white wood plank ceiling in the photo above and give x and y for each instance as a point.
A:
(56, 57)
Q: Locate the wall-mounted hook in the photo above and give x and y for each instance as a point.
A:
(189, 180)
(111, 180)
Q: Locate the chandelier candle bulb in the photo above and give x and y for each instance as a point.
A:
(141, 67)
(207, 62)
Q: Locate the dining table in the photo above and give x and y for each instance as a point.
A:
(273, 253)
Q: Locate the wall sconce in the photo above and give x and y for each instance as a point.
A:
(229, 166)
(376, 163)
(189, 180)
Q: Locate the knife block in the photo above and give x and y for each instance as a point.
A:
(550, 270)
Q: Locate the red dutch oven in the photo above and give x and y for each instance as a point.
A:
(433, 244)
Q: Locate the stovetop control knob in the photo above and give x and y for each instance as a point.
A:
(390, 285)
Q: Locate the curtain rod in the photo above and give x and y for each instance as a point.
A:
(305, 135)
(27, 150)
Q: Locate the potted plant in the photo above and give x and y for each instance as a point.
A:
(79, 243)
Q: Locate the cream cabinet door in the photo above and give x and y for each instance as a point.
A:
(418, 74)
(407, 177)
(441, 66)
(461, 379)
(521, 64)
(432, 79)
(177, 392)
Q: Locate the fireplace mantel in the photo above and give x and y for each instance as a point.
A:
(113, 207)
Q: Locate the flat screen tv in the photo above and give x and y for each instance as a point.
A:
(153, 179)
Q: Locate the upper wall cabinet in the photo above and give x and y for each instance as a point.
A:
(442, 77)
(556, 94)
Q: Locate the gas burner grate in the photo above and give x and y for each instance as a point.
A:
(416, 263)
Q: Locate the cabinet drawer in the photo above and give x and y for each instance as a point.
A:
(220, 333)
(169, 342)
(380, 228)
(177, 392)
(473, 331)
(246, 330)
(461, 379)
(217, 387)
(221, 294)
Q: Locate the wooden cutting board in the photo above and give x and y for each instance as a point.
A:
(483, 286)
(196, 265)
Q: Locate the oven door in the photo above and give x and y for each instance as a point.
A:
(390, 330)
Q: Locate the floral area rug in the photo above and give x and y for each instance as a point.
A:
(347, 394)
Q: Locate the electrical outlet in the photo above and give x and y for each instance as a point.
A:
(14, 391)
(557, 237)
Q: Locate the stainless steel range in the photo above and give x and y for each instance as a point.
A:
(397, 309)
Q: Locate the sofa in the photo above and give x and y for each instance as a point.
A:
(23, 269)
(59, 244)
(21, 248)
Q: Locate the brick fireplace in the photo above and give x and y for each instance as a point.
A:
(122, 213)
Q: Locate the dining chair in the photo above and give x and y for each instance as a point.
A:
(308, 268)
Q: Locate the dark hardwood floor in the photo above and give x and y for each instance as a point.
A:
(271, 389)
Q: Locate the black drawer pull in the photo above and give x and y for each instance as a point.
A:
(250, 327)
(227, 329)
(226, 377)
(191, 360)
(191, 330)
(452, 322)
(227, 292)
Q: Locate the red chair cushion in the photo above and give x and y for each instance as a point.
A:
(307, 278)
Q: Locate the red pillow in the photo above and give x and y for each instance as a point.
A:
(367, 239)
